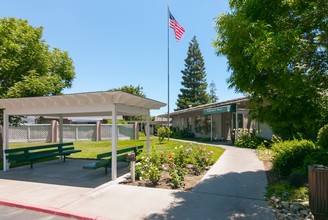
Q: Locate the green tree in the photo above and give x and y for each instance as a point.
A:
(213, 97)
(28, 66)
(194, 82)
(277, 54)
(134, 90)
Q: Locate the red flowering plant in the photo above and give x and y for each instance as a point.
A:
(177, 163)
(130, 156)
(177, 175)
(201, 159)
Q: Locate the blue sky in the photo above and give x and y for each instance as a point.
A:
(118, 43)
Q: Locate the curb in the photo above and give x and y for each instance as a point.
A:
(51, 211)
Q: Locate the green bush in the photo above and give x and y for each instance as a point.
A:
(287, 192)
(317, 157)
(323, 137)
(141, 134)
(163, 132)
(298, 177)
(185, 133)
(177, 175)
(291, 154)
(151, 167)
(154, 174)
(247, 140)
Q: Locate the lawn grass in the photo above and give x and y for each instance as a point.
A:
(90, 149)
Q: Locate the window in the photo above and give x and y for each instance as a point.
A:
(240, 121)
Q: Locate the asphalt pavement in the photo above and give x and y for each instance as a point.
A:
(14, 213)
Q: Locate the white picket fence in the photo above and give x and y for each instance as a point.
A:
(72, 132)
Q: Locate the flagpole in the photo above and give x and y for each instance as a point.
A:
(168, 70)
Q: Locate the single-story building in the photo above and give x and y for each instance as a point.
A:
(217, 120)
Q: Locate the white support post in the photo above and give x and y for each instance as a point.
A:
(114, 143)
(211, 127)
(5, 136)
(61, 130)
(147, 132)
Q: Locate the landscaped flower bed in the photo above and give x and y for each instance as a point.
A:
(181, 168)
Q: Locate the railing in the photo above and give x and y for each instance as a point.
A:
(72, 132)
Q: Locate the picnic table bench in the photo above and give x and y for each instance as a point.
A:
(121, 156)
(35, 153)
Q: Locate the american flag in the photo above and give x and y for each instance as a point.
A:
(178, 29)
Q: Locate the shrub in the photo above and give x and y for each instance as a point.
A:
(181, 156)
(201, 159)
(141, 134)
(291, 154)
(141, 168)
(149, 167)
(154, 174)
(163, 132)
(185, 133)
(317, 157)
(177, 175)
(323, 137)
(287, 192)
(247, 140)
(298, 177)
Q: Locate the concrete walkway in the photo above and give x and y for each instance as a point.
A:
(232, 189)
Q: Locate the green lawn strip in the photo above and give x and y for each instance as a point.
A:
(90, 149)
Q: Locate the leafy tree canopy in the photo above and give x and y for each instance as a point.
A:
(134, 90)
(194, 82)
(277, 54)
(28, 66)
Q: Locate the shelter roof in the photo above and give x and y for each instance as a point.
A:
(81, 104)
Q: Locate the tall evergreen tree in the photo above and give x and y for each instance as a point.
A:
(213, 97)
(194, 82)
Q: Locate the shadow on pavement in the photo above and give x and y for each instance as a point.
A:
(230, 196)
(69, 173)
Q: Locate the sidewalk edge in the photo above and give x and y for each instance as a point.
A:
(52, 211)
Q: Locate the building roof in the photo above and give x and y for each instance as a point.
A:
(207, 106)
(81, 105)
